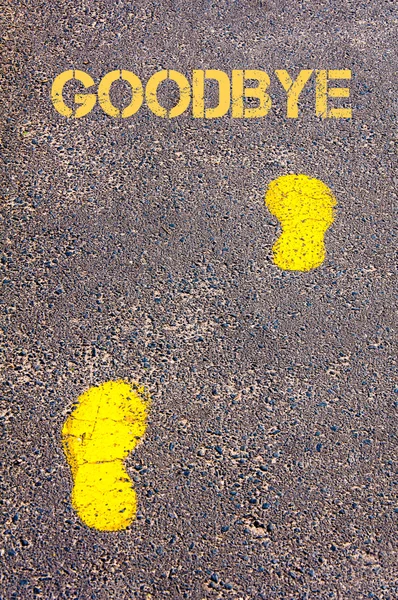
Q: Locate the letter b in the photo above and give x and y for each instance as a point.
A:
(239, 92)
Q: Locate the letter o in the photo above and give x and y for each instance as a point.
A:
(152, 90)
(137, 92)
(87, 101)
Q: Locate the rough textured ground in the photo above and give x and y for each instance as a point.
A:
(140, 249)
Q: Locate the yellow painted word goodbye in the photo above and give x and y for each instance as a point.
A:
(232, 92)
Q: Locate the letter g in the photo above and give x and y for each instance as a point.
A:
(87, 101)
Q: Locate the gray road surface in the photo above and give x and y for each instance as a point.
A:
(141, 248)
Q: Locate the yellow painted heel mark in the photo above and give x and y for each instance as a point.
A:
(304, 207)
(104, 428)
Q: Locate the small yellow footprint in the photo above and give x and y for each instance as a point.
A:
(304, 208)
(105, 426)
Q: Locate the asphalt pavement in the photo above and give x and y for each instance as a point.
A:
(141, 249)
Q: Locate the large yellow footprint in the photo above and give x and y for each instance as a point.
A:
(105, 426)
(304, 208)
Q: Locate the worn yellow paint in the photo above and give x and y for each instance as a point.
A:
(87, 101)
(322, 93)
(198, 94)
(151, 92)
(240, 92)
(233, 91)
(104, 90)
(304, 207)
(293, 89)
(103, 429)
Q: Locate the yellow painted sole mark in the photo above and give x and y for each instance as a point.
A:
(104, 428)
(304, 207)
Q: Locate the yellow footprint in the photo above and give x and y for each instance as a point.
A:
(99, 434)
(304, 208)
